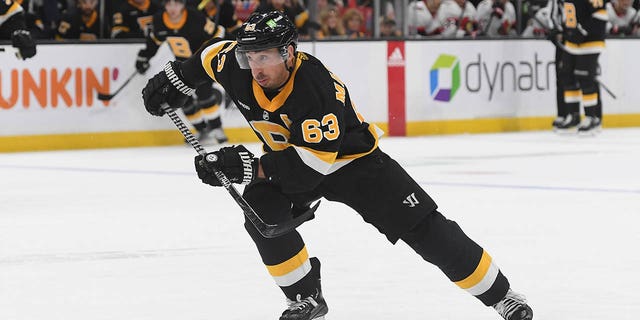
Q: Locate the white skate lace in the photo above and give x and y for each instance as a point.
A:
(509, 304)
(300, 304)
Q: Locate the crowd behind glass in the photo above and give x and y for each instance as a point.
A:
(348, 19)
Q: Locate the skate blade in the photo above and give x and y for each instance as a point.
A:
(569, 131)
(590, 133)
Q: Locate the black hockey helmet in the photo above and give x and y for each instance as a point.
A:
(264, 31)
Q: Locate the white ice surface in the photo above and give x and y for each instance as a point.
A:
(132, 234)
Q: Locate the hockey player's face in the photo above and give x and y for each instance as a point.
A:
(174, 9)
(268, 68)
(87, 6)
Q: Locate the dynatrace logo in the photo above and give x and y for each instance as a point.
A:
(445, 77)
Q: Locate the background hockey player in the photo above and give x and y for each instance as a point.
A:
(13, 26)
(82, 24)
(185, 30)
(133, 19)
(583, 32)
(317, 145)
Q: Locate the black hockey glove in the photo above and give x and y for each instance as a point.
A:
(142, 64)
(22, 40)
(236, 162)
(166, 87)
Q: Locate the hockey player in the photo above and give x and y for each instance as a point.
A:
(496, 18)
(223, 13)
(82, 24)
(583, 32)
(133, 19)
(13, 26)
(185, 30)
(317, 145)
(623, 20)
(457, 18)
(547, 22)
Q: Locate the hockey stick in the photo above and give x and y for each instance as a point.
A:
(265, 229)
(564, 48)
(106, 96)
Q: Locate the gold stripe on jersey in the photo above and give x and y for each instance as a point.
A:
(482, 277)
(15, 8)
(589, 47)
(320, 161)
(601, 15)
(92, 19)
(572, 96)
(211, 52)
(301, 18)
(327, 162)
(281, 97)
(292, 270)
(142, 7)
(590, 100)
(175, 26)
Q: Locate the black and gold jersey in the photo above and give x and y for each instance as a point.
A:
(11, 18)
(226, 15)
(310, 128)
(133, 20)
(584, 25)
(184, 38)
(76, 26)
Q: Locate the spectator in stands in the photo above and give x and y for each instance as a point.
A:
(420, 18)
(42, 17)
(353, 21)
(496, 18)
(388, 28)
(133, 19)
(330, 24)
(623, 20)
(223, 13)
(294, 10)
(539, 25)
(82, 24)
(458, 19)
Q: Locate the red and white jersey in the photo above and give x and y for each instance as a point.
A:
(420, 20)
(625, 19)
(496, 26)
(450, 16)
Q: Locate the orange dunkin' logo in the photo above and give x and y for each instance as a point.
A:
(53, 87)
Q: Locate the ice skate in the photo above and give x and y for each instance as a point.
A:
(219, 135)
(556, 122)
(569, 124)
(590, 126)
(514, 307)
(312, 307)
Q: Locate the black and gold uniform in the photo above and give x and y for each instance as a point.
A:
(184, 38)
(13, 26)
(80, 25)
(583, 32)
(133, 19)
(11, 18)
(224, 13)
(317, 145)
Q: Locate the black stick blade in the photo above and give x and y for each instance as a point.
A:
(104, 97)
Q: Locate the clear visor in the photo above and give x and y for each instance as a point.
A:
(259, 59)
